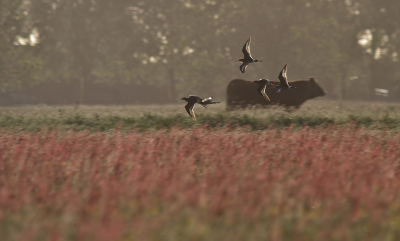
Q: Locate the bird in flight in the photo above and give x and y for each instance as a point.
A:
(247, 59)
(208, 101)
(194, 99)
(283, 81)
(262, 86)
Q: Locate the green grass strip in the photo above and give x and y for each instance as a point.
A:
(150, 121)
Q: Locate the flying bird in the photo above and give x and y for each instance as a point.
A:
(262, 86)
(194, 99)
(247, 59)
(283, 81)
(208, 101)
(191, 101)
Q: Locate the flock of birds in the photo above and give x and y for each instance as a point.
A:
(262, 83)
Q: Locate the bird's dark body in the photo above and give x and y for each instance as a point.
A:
(242, 94)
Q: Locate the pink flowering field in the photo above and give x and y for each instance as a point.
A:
(335, 183)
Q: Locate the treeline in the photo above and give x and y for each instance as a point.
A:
(188, 47)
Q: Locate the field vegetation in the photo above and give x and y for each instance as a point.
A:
(151, 173)
(373, 115)
(200, 184)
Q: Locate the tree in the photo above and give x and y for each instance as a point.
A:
(18, 66)
(186, 44)
(83, 41)
(380, 29)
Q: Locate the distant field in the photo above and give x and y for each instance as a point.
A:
(201, 184)
(376, 115)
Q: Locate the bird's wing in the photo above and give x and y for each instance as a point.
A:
(243, 67)
(189, 108)
(246, 49)
(265, 94)
(283, 76)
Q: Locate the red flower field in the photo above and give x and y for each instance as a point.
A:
(199, 184)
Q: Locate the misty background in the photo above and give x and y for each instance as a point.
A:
(154, 51)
